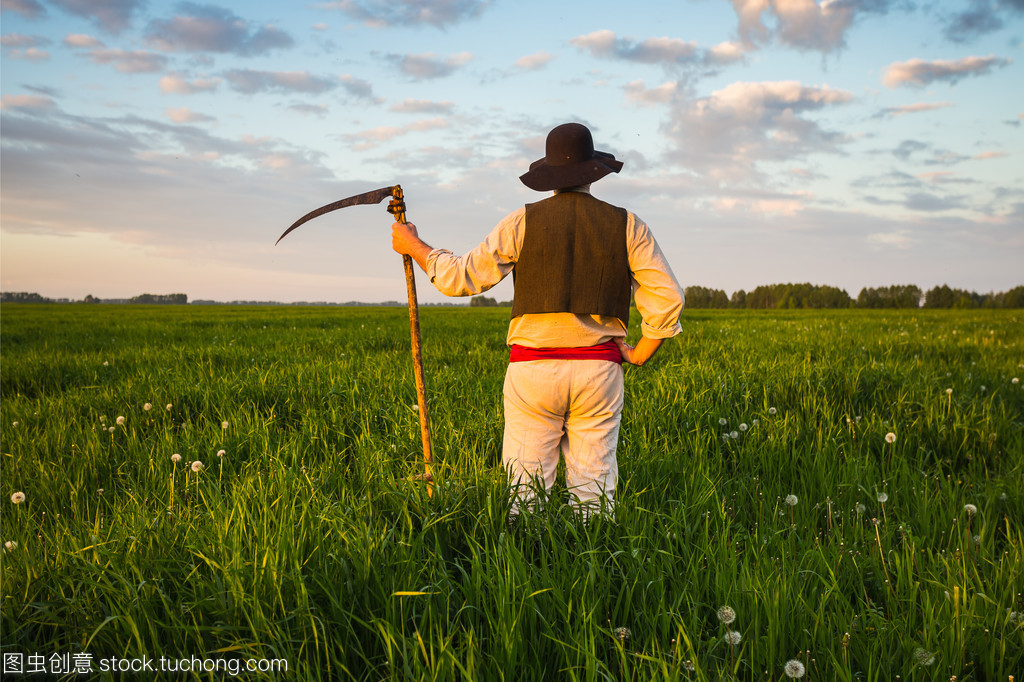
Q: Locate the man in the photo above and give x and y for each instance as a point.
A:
(574, 260)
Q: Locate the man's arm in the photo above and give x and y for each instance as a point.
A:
(406, 241)
(641, 353)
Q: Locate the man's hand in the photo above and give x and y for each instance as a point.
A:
(405, 239)
(639, 354)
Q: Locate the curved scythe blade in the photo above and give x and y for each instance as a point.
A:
(374, 197)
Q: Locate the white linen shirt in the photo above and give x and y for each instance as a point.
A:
(656, 292)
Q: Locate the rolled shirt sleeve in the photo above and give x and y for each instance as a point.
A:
(656, 291)
(483, 267)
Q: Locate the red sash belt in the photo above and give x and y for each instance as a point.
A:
(602, 351)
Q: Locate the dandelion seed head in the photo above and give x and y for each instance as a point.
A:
(10, 545)
(755, 422)
(147, 407)
(734, 434)
(221, 453)
(169, 406)
(1015, 380)
(883, 497)
(791, 500)
(14, 424)
(175, 458)
(890, 437)
(772, 411)
(794, 669)
(924, 657)
(111, 429)
(622, 633)
(949, 391)
(861, 508)
(197, 466)
(726, 614)
(722, 421)
(970, 509)
(18, 497)
(120, 421)
(224, 425)
(743, 427)
(689, 666)
(732, 638)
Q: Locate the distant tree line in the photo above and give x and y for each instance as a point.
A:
(805, 295)
(25, 297)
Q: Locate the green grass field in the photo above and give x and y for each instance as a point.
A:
(755, 474)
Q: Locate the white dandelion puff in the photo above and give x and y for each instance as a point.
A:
(169, 406)
(755, 422)
(743, 427)
(890, 437)
(111, 429)
(726, 614)
(18, 497)
(791, 500)
(120, 421)
(970, 509)
(732, 638)
(1015, 380)
(147, 407)
(10, 545)
(949, 391)
(794, 669)
(197, 466)
(924, 657)
(14, 424)
(734, 435)
(175, 458)
(224, 425)
(722, 421)
(622, 633)
(861, 508)
(772, 411)
(221, 453)
(883, 497)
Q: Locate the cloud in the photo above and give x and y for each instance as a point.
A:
(668, 52)
(907, 148)
(733, 128)
(129, 61)
(207, 28)
(423, 106)
(111, 15)
(605, 44)
(368, 139)
(357, 87)
(25, 47)
(176, 84)
(803, 24)
(893, 112)
(30, 9)
(319, 110)
(534, 61)
(989, 155)
(380, 13)
(918, 72)
(980, 18)
(900, 239)
(30, 102)
(663, 94)
(82, 41)
(186, 115)
(427, 66)
(249, 81)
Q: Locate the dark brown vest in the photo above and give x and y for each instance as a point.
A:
(574, 258)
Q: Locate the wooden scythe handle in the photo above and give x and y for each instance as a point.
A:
(398, 204)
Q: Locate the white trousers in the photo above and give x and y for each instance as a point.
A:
(568, 406)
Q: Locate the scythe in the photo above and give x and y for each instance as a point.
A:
(397, 208)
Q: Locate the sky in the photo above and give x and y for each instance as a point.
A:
(162, 147)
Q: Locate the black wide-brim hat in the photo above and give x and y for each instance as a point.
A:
(570, 160)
